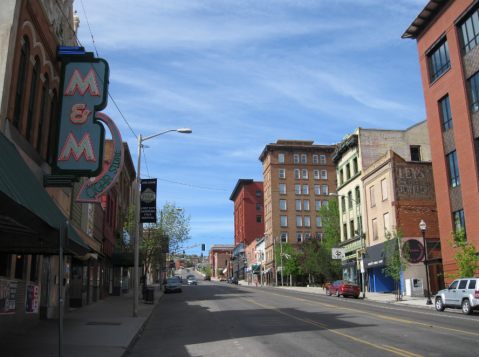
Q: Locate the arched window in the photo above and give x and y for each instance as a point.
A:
(51, 126)
(43, 114)
(22, 75)
(31, 103)
(358, 195)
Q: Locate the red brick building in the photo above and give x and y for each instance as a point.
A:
(446, 34)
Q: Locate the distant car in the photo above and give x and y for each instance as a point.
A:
(461, 294)
(207, 277)
(343, 287)
(189, 276)
(192, 280)
(222, 279)
(172, 285)
(178, 277)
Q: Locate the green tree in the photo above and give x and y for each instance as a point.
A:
(290, 259)
(465, 257)
(397, 259)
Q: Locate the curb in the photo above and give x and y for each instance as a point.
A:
(137, 335)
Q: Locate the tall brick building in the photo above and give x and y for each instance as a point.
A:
(447, 35)
(298, 177)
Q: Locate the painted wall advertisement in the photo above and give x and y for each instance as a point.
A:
(32, 299)
(8, 295)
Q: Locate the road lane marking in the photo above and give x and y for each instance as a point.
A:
(373, 314)
(322, 326)
(398, 349)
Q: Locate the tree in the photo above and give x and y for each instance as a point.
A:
(465, 257)
(290, 259)
(397, 259)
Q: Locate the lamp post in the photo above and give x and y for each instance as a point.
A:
(137, 221)
(360, 238)
(422, 226)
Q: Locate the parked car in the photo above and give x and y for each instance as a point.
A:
(192, 280)
(232, 280)
(178, 277)
(223, 279)
(207, 277)
(189, 276)
(229, 279)
(172, 285)
(461, 294)
(343, 287)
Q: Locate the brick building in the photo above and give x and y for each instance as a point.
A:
(446, 34)
(298, 177)
(220, 258)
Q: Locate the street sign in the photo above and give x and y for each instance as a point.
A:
(338, 253)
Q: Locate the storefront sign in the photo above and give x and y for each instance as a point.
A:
(148, 201)
(338, 253)
(8, 296)
(415, 250)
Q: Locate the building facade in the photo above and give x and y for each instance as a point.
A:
(220, 258)
(298, 177)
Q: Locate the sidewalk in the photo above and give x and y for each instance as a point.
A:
(105, 328)
(386, 298)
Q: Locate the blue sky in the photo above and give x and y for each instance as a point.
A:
(242, 74)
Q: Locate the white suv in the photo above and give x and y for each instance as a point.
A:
(461, 294)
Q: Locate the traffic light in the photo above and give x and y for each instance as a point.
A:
(203, 247)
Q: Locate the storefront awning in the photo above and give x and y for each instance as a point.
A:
(125, 260)
(374, 256)
(29, 218)
(267, 271)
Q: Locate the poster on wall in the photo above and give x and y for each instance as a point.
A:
(32, 299)
(8, 295)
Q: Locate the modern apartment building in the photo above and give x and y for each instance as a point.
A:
(298, 177)
(447, 34)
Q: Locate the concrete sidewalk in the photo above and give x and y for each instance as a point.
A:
(105, 328)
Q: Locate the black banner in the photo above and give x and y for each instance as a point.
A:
(148, 201)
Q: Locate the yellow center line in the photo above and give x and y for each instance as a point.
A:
(397, 349)
(310, 322)
(372, 314)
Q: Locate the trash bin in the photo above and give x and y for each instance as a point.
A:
(150, 295)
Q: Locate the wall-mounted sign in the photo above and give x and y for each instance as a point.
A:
(148, 201)
(416, 250)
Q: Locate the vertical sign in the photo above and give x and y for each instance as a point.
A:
(148, 201)
(32, 299)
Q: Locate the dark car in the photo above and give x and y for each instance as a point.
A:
(207, 277)
(229, 279)
(232, 280)
(172, 285)
(343, 287)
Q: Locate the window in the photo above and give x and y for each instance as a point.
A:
(315, 159)
(345, 231)
(282, 173)
(306, 205)
(316, 174)
(299, 236)
(323, 159)
(384, 189)
(317, 189)
(303, 159)
(473, 88)
(472, 284)
(454, 178)
(341, 177)
(318, 222)
(305, 189)
(296, 158)
(284, 221)
(415, 152)
(51, 127)
(325, 190)
(358, 195)
(355, 166)
(258, 219)
(296, 174)
(307, 235)
(325, 203)
(347, 170)
(371, 194)
(31, 103)
(350, 200)
(5, 263)
(324, 174)
(41, 119)
(307, 221)
(282, 188)
(317, 205)
(375, 229)
(280, 157)
(319, 236)
(258, 194)
(458, 220)
(297, 189)
(22, 74)
(351, 228)
(282, 205)
(462, 284)
(258, 206)
(298, 205)
(386, 223)
(470, 32)
(343, 204)
(439, 61)
(305, 174)
(284, 237)
(299, 221)
(445, 113)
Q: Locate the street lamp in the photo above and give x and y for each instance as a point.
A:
(137, 223)
(422, 226)
(360, 237)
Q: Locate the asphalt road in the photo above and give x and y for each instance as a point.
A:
(219, 319)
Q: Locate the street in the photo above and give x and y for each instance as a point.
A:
(219, 319)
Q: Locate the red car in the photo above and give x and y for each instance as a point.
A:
(343, 287)
(207, 277)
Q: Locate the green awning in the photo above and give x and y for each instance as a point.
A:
(29, 218)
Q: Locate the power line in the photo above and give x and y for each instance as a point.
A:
(91, 34)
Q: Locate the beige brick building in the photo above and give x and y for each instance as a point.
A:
(298, 177)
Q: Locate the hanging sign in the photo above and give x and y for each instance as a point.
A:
(148, 201)
(338, 253)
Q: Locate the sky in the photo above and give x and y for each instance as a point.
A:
(242, 74)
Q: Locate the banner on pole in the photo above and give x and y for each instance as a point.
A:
(148, 201)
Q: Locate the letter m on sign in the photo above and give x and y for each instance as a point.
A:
(77, 149)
